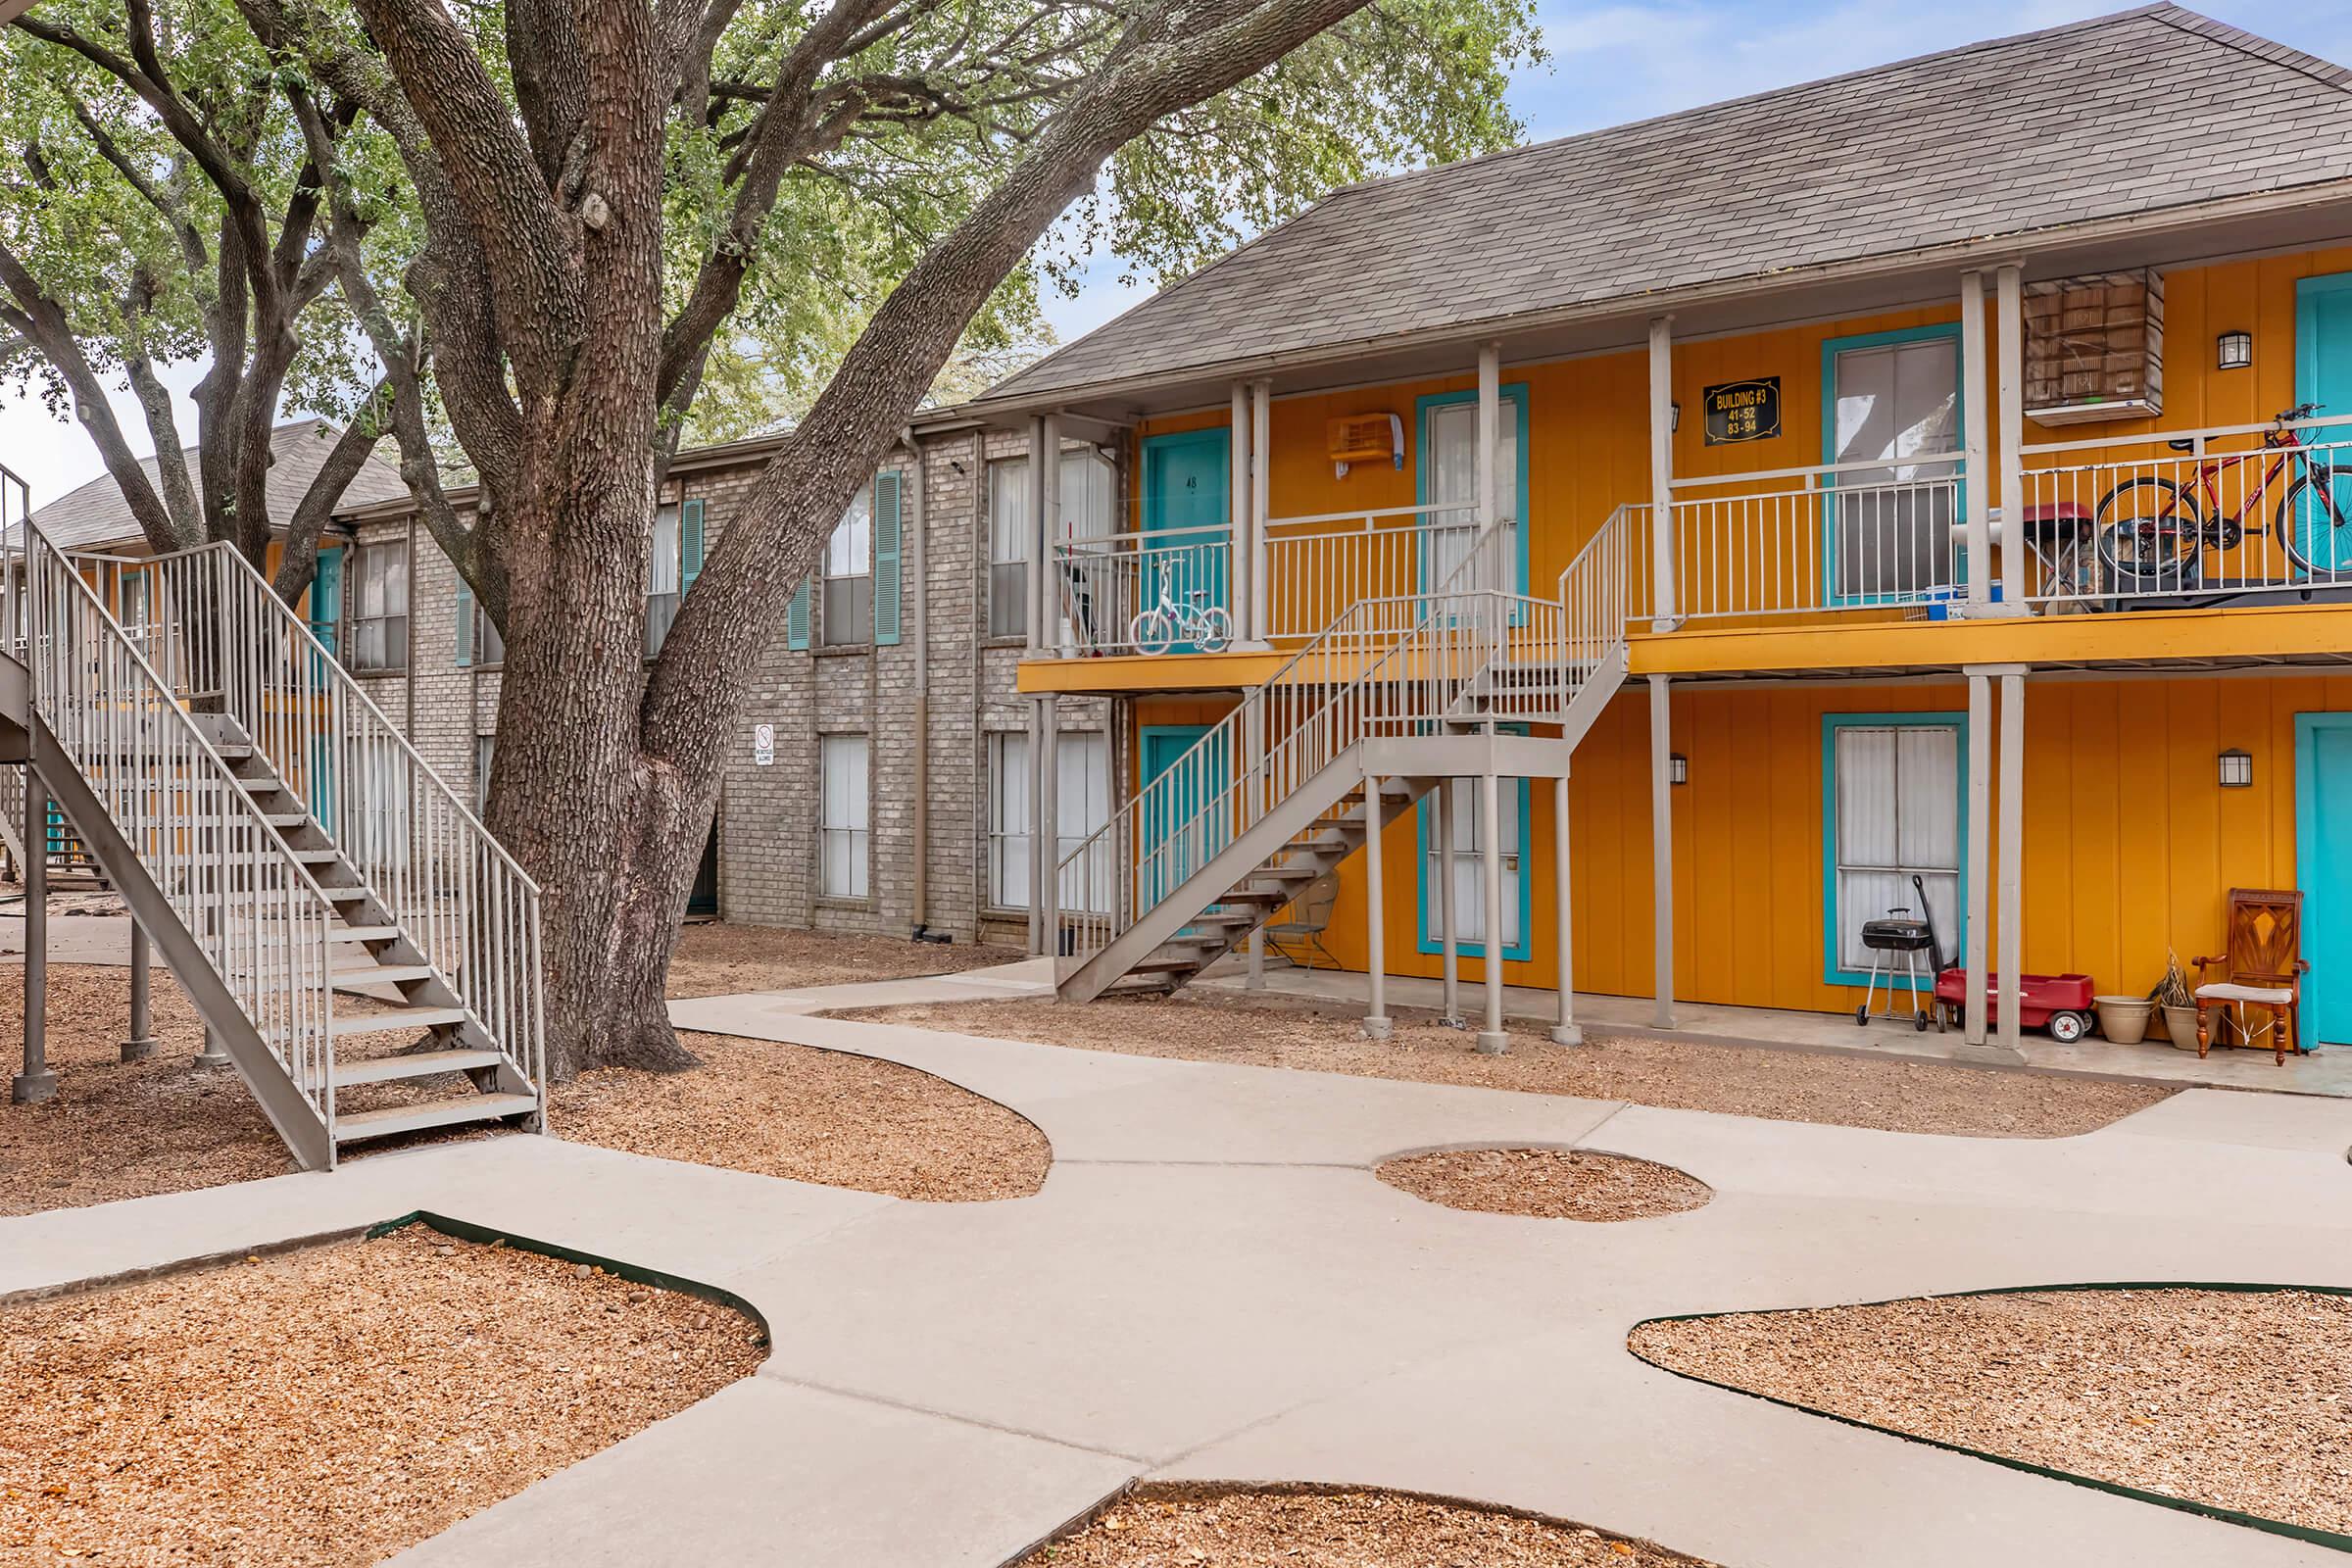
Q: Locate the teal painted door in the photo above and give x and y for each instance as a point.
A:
(326, 624)
(2324, 871)
(1176, 839)
(2323, 375)
(1187, 512)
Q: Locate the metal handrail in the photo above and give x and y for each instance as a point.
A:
(462, 899)
(256, 911)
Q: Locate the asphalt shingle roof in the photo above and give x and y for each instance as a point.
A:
(97, 516)
(2132, 113)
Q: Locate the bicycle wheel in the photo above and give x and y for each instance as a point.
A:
(1152, 632)
(2313, 528)
(1214, 630)
(2148, 533)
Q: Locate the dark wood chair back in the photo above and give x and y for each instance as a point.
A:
(2266, 936)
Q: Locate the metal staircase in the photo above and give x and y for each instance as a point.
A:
(1407, 690)
(338, 918)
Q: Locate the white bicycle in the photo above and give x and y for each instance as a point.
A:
(1204, 626)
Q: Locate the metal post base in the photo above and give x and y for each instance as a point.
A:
(32, 1088)
(1380, 1028)
(139, 1049)
(1567, 1034)
(211, 1057)
(1494, 1045)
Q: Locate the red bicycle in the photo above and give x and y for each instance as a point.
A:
(2153, 531)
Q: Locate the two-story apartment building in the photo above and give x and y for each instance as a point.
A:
(1703, 535)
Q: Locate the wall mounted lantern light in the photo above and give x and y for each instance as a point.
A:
(1678, 768)
(2233, 351)
(2237, 769)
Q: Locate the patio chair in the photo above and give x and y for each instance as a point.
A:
(2265, 969)
(1310, 917)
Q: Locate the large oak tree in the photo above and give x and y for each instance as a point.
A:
(619, 203)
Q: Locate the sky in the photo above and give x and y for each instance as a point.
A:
(1609, 64)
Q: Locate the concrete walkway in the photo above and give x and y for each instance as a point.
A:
(1212, 1285)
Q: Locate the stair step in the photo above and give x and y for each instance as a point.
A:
(315, 856)
(286, 819)
(381, 974)
(421, 1065)
(432, 1113)
(362, 933)
(1168, 963)
(376, 1024)
(344, 895)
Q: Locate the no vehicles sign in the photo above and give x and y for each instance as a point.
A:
(764, 745)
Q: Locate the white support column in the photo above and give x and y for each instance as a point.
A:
(1039, 640)
(2009, 282)
(1240, 509)
(1377, 1025)
(1661, 851)
(1491, 1040)
(1048, 823)
(1058, 631)
(2010, 917)
(1664, 612)
(1976, 917)
(1564, 1032)
(37, 1082)
(1254, 753)
(1976, 481)
(1490, 442)
(1449, 940)
(1037, 837)
(141, 1043)
(1261, 491)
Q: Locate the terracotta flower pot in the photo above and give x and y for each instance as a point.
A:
(2125, 1019)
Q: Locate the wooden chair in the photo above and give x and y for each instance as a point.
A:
(2265, 969)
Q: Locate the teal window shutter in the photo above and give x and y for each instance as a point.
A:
(796, 617)
(464, 623)
(689, 545)
(886, 558)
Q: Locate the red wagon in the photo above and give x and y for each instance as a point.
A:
(2059, 1002)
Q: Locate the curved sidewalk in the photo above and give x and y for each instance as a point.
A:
(1212, 1285)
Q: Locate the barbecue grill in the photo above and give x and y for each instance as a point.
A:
(1899, 945)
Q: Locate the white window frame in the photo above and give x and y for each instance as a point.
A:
(1089, 502)
(664, 575)
(846, 578)
(1008, 819)
(378, 641)
(845, 816)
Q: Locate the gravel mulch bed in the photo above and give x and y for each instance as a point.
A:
(1546, 1183)
(1223, 1527)
(333, 1405)
(1893, 1094)
(121, 1129)
(716, 959)
(811, 1115)
(2237, 1400)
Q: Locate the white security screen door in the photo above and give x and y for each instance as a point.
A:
(1009, 820)
(1450, 446)
(1898, 816)
(1081, 809)
(1890, 526)
(843, 820)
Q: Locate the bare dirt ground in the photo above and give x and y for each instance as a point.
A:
(813, 1116)
(1202, 1527)
(718, 959)
(120, 1130)
(1546, 1183)
(333, 1405)
(1897, 1095)
(2230, 1398)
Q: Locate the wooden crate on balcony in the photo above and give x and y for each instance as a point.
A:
(2094, 347)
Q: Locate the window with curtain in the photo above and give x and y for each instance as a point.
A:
(844, 819)
(1089, 512)
(137, 614)
(1450, 446)
(848, 617)
(1467, 863)
(379, 600)
(1892, 526)
(1008, 819)
(1896, 817)
(664, 577)
(488, 647)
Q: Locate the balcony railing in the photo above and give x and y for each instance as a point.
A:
(1317, 566)
(2231, 514)
(1828, 538)
(1102, 585)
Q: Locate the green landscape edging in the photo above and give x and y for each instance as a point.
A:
(636, 1274)
(2252, 1521)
